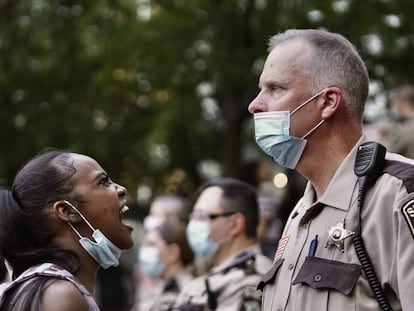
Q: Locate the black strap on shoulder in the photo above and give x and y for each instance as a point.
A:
(240, 261)
(401, 170)
(171, 285)
(211, 296)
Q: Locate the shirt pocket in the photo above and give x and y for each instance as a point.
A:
(270, 276)
(320, 273)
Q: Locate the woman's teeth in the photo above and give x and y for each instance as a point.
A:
(124, 209)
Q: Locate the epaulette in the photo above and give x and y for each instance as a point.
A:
(170, 285)
(401, 170)
(242, 260)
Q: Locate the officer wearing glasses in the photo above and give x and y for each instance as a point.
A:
(222, 229)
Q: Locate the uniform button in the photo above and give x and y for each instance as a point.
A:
(317, 277)
(279, 308)
(290, 266)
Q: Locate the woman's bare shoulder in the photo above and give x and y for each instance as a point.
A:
(64, 296)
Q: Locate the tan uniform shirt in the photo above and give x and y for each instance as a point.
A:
(332, 279)
(234, 289)
(165, 293)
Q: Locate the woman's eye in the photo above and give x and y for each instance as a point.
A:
(105, 181)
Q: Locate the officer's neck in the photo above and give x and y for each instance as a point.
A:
(172, 269)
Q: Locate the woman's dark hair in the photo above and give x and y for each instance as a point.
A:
(25, 233)
(238, 196)
(174, 232)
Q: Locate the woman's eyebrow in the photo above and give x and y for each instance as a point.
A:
(99, 175)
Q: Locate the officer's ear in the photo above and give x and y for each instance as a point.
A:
(332, 98)
(173, 252)
(238, 221)
(65, 212)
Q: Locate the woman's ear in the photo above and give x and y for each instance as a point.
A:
(333, 97)
(65, 212)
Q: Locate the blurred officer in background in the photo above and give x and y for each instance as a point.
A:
(166, 255)
(168, 207)
(171, 208)
(223, 229)
(399, 133)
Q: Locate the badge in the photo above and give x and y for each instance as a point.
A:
(337, 234)
(408, 212)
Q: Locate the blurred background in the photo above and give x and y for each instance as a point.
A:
(157, 91)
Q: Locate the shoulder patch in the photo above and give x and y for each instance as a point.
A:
(408, 212)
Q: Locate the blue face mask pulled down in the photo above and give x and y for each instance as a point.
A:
(102, 250)
(272, 133)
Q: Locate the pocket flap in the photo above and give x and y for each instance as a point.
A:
(322, 273)
(270, 275)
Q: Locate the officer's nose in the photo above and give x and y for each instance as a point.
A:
(258, 104)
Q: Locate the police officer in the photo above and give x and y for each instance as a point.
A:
(166, 258)
(308, 117)
(398, 132)
(223, 229)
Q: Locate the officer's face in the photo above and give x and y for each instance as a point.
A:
(285, 84)
(154, 239)
(208, 208)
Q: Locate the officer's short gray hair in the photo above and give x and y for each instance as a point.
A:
(333, 61)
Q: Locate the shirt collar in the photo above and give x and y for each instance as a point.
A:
(254, 249)
(341, 188)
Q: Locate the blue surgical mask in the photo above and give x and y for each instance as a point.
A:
(396, 115)
(102, 250)
(198, 236)
(272, 133)
(149, 261)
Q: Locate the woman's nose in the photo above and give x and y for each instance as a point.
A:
(122, 191)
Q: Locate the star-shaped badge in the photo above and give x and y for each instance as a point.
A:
(337, 234)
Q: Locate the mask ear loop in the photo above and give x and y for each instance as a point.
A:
(307, 102)
(83, 218)
(314, 128)
(76, 231)
(303, 104)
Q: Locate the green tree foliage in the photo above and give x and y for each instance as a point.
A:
(154, 88)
